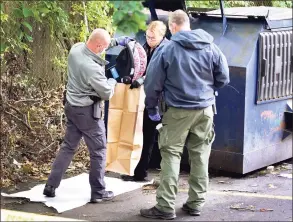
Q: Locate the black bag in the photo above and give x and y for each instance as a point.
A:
(124, 64)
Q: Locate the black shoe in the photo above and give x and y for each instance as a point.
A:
(134, 179)
(49, 191)
(192, 212)
(108, 195)
(154, 213)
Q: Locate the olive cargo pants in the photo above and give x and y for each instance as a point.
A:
(196, 129)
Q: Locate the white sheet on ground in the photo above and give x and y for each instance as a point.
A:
(75, 192)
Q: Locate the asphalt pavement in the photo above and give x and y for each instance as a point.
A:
(264, 195)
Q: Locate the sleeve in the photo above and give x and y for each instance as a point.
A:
(221, 68)
(154, 81)
(104, 87)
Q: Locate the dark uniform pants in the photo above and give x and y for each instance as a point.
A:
(149, 137)
(80, 123)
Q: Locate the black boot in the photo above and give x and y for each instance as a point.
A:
(49, 191)
(155, 213)
(135, 179)
(192, 212)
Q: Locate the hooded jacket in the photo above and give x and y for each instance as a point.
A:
(150, 53)
(186, 71)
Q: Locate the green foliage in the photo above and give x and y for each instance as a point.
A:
(18, 20)
(94, 14)
(15, 29)
(128, 16)
(283, 4)
(203, 4)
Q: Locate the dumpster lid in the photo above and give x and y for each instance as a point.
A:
(275, 18)
(271, 13)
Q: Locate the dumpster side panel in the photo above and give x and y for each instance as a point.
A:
(227, 148)
(263, 128)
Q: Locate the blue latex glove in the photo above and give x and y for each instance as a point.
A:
(155, 117)
(123, 40)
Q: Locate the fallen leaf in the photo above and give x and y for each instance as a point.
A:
(149, 187)
(262, 172)
(241, 207)
(49, 214)
(265, 210)
(287, 166)
(27, 168)
(71, 168)
(79, 165)
(272, 186)
(16, 163)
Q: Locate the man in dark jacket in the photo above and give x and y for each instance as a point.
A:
(186, 70)
(155, 38)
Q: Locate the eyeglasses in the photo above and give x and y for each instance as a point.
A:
(150, 38)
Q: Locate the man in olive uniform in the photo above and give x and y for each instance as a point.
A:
(186, 71)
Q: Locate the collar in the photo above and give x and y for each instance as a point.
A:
(94, 57)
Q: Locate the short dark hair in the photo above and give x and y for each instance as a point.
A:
(179, 17)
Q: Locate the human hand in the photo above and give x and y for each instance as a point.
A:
(156, 117)
(137, 83)
(112, 81)
(126, 80)
(123, 40)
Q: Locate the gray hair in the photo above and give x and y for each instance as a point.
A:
(179, 17)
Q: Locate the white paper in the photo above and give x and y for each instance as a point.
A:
(286, 175)
(75, 192)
